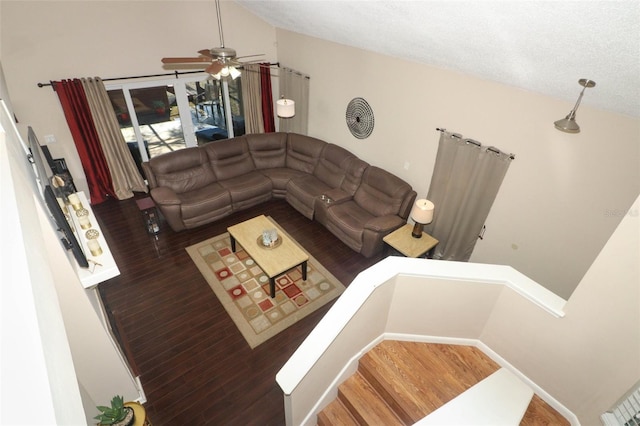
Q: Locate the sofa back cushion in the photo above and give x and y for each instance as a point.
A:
(352, 179)
(332, 165)
(381, 193)
(268, 150)
(229, 157)
(303, 152)
(182, 171)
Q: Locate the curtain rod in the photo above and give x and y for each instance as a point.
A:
(478, 144)
(176, 73)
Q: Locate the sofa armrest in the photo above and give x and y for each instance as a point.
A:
(384, 223)
(337, 195)
(165, 196)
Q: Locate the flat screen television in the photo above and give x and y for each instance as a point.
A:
(44, 176)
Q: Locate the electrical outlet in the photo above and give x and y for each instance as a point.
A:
(49, 139)
(406, 165)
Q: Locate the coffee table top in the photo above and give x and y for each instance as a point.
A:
(273, 261)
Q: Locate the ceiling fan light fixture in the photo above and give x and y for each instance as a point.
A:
(227, 71)
(222, 60)
(234, 72)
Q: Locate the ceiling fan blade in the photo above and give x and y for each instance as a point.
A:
(185, 60)
(214, 68)
(250, 56)
(205, 52)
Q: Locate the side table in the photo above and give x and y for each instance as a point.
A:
(149, 215)
(402, 241)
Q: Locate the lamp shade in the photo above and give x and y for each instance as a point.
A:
(422, 211)
(285, 108)
(568, 124)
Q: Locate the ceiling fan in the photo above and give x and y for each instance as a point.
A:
(218, 61)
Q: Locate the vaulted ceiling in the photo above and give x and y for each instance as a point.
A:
(540, 46)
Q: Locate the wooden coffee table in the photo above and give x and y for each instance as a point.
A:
(274, 261)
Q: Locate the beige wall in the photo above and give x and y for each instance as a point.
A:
(53, 40)
(563, 195)
(589, 358)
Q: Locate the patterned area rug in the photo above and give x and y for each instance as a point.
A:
(243, 289)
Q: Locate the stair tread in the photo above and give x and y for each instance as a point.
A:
(364, 403)
(404, 387)
(336, 414)
(431, 375)
(403, 373)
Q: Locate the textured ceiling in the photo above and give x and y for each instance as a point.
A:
(540, 46)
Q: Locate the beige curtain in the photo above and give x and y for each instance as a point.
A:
(295, 85)
(252, 99)
(124, 173)
(466, 179)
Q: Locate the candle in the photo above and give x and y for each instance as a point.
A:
(83, 218)
(75, 201)
(92, 242)
(94, 247)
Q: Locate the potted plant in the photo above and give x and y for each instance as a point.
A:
(117, 414)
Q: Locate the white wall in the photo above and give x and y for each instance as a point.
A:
(39, 384)
(590, 358)
(562, 196)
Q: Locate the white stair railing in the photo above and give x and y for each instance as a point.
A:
(626, 412)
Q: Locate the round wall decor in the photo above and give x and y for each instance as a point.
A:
(359, 118)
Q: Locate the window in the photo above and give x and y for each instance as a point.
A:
(161, 116)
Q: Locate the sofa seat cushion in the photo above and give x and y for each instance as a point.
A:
(302, 192)
(348, 220)
(205, 200)
(280, 177)
(248, 189)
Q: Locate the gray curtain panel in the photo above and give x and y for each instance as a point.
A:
(466, 179)
(124, 173)
(295, 85)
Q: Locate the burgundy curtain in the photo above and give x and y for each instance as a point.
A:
(76, 110)
(267, 98)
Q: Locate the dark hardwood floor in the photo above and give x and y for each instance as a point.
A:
(194, 365)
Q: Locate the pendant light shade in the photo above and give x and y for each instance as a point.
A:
(568, 124)
(285, 108)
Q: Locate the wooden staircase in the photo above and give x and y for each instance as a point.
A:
(401, 383)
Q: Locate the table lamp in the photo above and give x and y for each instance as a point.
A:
(422, 214)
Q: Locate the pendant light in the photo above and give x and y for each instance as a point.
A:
(568, 124)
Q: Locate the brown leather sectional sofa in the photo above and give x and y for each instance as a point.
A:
(357, 202)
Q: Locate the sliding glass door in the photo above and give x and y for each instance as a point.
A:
(161, 116)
